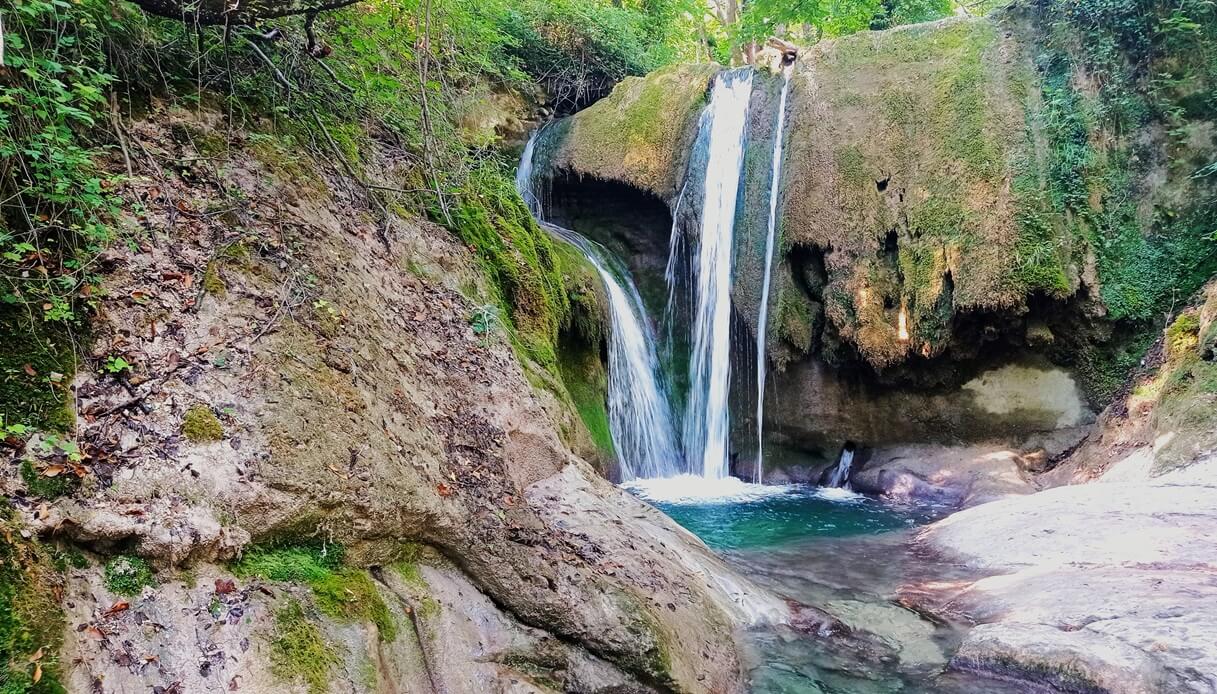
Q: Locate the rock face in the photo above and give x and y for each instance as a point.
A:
(350, 401)
(935, 222)
(1100, 587)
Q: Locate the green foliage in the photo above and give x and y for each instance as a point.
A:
(31, 621)
(55, 202)
(116, 365)
(127, 575)
(1157, 63)
(578, 49)
(298, 650)
(761, 19)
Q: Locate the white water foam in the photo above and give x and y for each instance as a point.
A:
(693, 489)
(839, 494)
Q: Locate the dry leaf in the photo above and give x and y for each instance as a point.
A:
(443, 489)
(29, 370)
(117, 607)
(36, 657)
(37, 672)
(53, 471)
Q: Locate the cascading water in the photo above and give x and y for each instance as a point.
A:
(639, 414)
(762, 322)
(524, 177)
(840, 476)
(706, 424)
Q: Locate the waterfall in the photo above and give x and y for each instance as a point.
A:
(639, 414)
(524, 177)
(762, 321)
(840, 476)
(706, 424)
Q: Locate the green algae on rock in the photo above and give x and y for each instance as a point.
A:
(640, 134)
(201, 425)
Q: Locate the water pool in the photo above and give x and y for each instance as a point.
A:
(846, 553)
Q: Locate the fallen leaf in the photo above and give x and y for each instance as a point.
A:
(36, 657)
(225, 585)
(37, 672)
(29, 370)
(443, 489)
(117, 607)
(53, 471)
(95, 633)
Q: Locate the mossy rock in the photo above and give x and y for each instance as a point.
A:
(128, 576)
(640, 134)
(31, 620)
(37, 363)
(201, 425)
(342, 592)
(299, 652)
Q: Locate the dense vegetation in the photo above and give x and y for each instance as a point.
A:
(1127, 161)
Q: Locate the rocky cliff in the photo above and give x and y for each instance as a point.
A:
(311, 467)
(958, 199)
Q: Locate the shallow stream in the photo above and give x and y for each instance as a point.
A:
(845, 553)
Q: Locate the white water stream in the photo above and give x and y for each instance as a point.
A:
(640, 418)
(840, 476)
(762, 321)
(707, 423)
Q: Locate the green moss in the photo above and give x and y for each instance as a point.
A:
(796, 319)
(639, 134)
(587, 383)
(126, 575)
(350, 594)
(30, 618)
(45, 487)
(201, 425)
(1183, 335)
(213, 283)
(340, 591)
(290, 563)
(518, 258)
(299, 652)
(32, 354)
(851, 165)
